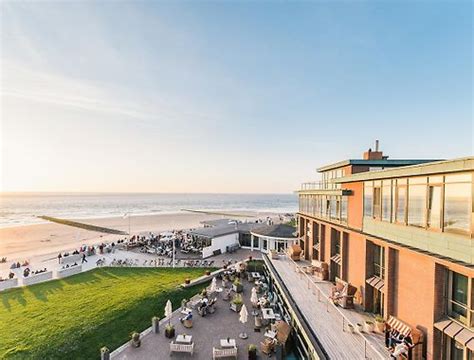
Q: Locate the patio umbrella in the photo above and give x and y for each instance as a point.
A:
(168, 311)
(254, 297)
(243, 319)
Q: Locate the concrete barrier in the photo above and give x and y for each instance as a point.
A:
(62, 273)
(71, 259)
(8, 284)
(35, 279)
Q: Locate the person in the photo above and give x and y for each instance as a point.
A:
(84, 258)
(188, 316)
(59, 258)
(400, 349)
(11, 275)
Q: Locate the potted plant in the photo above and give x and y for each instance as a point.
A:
(155, 324)
(351, 328)
(135, 339)
(252, 352)
(169, 331)
(208, 272)
(369, 326)
(379, 323)
(204, 293)
(104, 353)
(236, 303)
(237, 286)
(187, 281)
(360, 327)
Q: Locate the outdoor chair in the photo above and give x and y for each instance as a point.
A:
(224, 353)
(342, 294)
(181, 348)
(267, 346)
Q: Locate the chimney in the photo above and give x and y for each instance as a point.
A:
(374, 155)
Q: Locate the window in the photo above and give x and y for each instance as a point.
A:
(457, 203)
(456, 350)
(245, 240)
(265, 244)
(344, 209)
(377, 200)
(255, 242)
(401, 197)
(379, 261)
(434, 207)
(386, 200)
(334, 208)
(368, 195)
(417, 202)
(459, 297)
(328, 206)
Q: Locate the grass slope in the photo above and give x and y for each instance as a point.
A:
(74, 317)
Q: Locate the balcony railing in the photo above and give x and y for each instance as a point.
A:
(320, 185)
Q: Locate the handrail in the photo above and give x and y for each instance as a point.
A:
(344, 318)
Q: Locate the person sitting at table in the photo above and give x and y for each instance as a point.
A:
(188, 316)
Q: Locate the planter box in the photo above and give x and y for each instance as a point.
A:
(62, 273)
(8, 284)
(379, 325)
(71, 259)
(237, 288)
(169, 333)
(235, 307)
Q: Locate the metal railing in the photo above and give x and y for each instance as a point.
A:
(320, 185)
(322, 296)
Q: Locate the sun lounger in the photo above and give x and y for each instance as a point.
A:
(224, 353)
(181, 348)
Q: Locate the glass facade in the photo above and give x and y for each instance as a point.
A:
(417, 202)
(459, 297)
(325, 206)
(443, 203)
(379, 261)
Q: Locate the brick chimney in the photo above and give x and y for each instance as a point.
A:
(374, 155)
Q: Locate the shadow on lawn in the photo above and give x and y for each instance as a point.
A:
(41, 291)
(13, 295)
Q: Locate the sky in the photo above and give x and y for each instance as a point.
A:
(238, 97)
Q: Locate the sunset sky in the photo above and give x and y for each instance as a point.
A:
(226, 97)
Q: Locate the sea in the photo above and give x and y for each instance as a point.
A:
(24, 208)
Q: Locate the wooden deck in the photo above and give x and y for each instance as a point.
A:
(328, 321)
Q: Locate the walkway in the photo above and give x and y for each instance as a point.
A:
(328, 321)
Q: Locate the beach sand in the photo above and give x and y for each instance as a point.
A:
(47, 240)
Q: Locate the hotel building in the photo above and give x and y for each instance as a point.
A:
(402, 233)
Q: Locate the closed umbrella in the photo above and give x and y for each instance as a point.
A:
(243, 316)
(168, 311)
(254, 297)
(213, 285)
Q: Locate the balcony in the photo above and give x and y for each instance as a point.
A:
(319, 185)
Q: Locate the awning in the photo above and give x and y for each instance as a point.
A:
(401, 327)
(376, 282)
(337, 259)
(457, 332)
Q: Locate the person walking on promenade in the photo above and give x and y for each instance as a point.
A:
(84, 258)
(59, 258)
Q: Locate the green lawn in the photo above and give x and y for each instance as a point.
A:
(74, 317)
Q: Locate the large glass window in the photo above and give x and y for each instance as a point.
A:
(401, 197)
(245, 240)
(459, 297)
(368, 198)
(377, 200)
(255, 242)
(344, 209)
(386, 200)
(379, 261)
(457, 203)
(434, 207)
(417, 202)
(334, 208)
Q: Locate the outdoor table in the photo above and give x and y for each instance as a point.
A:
(270, 334)
(184, 339)
(268, 314)
(256, 275)
(186, 311)
(227, 343)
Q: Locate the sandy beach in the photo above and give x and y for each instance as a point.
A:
(46, 240)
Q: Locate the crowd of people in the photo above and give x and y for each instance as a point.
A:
(27, 272)
(397, 343)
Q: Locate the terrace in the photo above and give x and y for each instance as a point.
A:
(328, 322)
(207, 332)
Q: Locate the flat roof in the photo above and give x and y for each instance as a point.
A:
(434, 167)
(280, 231)
(382, 162)
(217, 231)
